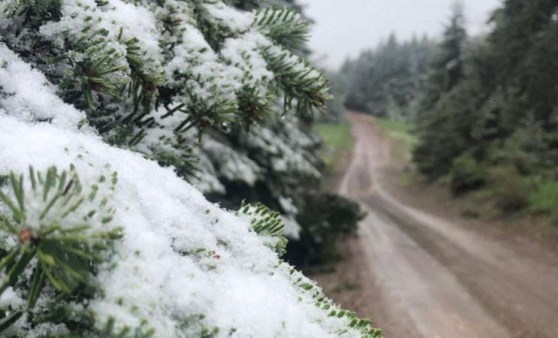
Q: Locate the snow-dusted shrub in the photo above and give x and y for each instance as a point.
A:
(97, 239)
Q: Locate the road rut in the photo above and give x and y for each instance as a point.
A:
(435, 278)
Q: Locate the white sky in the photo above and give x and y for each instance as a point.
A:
(345, 27)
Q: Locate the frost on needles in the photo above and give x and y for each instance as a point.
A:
(102, 103)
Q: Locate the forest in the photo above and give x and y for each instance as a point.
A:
(484, 108)
(193, 168)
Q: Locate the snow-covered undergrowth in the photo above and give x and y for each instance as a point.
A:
(113, 242)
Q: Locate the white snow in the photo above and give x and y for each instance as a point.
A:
(28, 95)
(236, 20)
(137, 22)
(233, 166)
(184, 265)
(284, 158)
(166, 221)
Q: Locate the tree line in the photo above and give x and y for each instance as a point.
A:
(388, 80)
(487, 110)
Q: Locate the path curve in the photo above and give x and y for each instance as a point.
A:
(436, 279)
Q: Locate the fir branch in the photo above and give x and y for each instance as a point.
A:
(180, 157)
(215, 31)
(308, 286)
(253, 106)
(96, 67)
(297, 80)
(50, 241)
(266, 223)
(146, 75)
(203, 114)
(36, 12)
(284, 26)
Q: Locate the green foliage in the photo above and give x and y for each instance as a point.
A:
(144, 84)
(510, 188)
(363, 325)
(254, 106)
(338, 142)
(526, 149)
(123, 88)
(58, 232)
(55, 241)
(97, 70)
(244, 4)
(266, 223)
(35, 11)
(446, 115)
(183, 161)
(489, 111)
(467, 174)
(544, 198)
(303, 87)
(447, 69)
(324, 219)
(214, 30)
(285, 26)
(336, 135)
(387, 81)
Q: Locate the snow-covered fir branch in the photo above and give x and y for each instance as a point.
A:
(119, 92)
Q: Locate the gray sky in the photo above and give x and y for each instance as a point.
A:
(345, 27)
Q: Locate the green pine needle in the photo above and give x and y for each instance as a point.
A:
(284, 26)
(266, 223)
(61, 254)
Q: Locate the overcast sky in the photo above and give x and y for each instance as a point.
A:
(346, 27)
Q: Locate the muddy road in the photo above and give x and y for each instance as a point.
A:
(424, 275)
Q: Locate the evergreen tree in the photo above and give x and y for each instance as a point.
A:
(448, 65)
(495, 114)
(116, 246)
(387, 81)
(442, 108)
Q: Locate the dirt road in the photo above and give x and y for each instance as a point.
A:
(428, 276)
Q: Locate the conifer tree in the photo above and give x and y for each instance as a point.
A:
(117, 246)
(499, 118)
(437, 121)
(448, 65)
(388, 81)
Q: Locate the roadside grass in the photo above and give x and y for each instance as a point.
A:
(510, 195)
(403, 143)
(399, 130)
(336, 135)
(544, 198)
(339, 142)
(521, 207)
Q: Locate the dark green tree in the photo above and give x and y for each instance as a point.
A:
(442, 107)
(388, 80)
(448, 64)
(494, 103)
